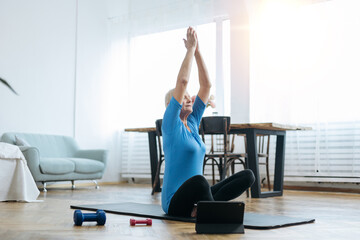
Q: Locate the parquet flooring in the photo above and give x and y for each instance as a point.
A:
(337, 216)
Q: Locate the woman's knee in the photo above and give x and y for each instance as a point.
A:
(197, 178)
(246, 176)
(200, 181)
(249, 176)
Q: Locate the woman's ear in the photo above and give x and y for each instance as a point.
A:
(193, 98)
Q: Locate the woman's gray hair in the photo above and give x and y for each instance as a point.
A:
(168, 97)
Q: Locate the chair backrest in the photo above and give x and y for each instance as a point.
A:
(218, 126)
(215, 125)
(263, 141)
(158, 124)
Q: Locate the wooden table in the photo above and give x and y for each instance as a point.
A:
(250, 130)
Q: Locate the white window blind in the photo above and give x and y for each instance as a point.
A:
(329, 153)
(135, 157)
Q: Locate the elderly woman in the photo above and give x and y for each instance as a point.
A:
(184, 184)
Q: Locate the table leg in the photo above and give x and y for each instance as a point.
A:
(253, 162)
(279, 163)
(153, 158)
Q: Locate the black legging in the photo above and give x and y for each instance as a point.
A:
(197, 189)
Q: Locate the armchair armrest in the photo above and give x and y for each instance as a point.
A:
(96, 154)
(32, 156)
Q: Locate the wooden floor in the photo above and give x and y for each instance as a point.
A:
(337, 216)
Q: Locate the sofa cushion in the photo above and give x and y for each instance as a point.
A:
(56, 165)
(21, 142)
(83, 165)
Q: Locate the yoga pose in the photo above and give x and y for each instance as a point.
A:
(184, 184)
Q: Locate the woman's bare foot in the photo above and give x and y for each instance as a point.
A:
(194, 211)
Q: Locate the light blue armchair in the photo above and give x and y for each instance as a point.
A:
(53, 158)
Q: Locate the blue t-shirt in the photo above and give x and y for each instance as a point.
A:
(184, 151)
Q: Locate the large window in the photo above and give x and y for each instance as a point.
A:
(154, 63)
(305, 70)
(305, 63)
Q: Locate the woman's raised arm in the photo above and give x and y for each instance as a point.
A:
(204, 79)
(184, 73)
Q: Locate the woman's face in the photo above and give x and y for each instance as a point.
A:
(187, 105)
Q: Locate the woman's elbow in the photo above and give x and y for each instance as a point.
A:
(207, 85)
(183, 81)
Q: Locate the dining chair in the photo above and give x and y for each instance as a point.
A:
(161, 155)
(221, 152)
(264, 141)
(263, 149)
(232, 162)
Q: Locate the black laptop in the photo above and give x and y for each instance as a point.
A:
(218, 217)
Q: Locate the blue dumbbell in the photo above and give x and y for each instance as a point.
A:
(80, 217)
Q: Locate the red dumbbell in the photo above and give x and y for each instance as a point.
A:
(147, 221)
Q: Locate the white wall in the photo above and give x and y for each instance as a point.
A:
(97, 88)
(37, 59)
(39, 54)
(239, 58)
(90, 78)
